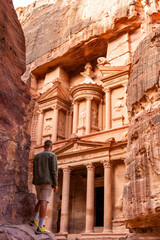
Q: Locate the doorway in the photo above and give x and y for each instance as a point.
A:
(99, 206)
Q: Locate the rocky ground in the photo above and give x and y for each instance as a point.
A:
(22, 232)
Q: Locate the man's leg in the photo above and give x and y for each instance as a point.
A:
(42, 212)
(36, 212)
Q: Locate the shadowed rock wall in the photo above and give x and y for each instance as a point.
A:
(142, 190)
(16, 204)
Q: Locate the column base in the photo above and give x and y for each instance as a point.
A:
(107, 231)
(89, 231)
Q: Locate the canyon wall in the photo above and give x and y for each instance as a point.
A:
(72, 32)
(142, 190)
(16, 203)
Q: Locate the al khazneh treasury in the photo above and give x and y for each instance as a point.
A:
(79, 59)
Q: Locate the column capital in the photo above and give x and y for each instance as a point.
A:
(107, 89)
(88, 98)
(107, 164)
(67, 170)
(101, 101)
(75, 102)
(90, 167)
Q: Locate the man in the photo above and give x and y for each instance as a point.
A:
(45, 177)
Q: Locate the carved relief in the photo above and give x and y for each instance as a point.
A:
(82, 119)
(88, 73)
(94, 114)
(103, 61)
(48, 126)
(119, 104)
(61, 124)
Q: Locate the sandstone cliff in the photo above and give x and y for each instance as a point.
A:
(16, 204)
(142, 190)
(72, 32)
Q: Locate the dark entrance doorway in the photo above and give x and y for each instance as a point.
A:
(99, 205)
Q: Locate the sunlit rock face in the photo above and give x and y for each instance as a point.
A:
(16, 204)
(142, 190)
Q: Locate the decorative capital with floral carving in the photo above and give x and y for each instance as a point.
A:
(67, 170)
(107, 164)
(90, 167)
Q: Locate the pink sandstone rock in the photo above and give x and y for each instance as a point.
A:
(142, 190)
(16, 203)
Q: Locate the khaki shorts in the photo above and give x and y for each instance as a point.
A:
(44, 192)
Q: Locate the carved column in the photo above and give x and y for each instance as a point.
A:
(55, 124)
(107, 196)
(90, 198)
(100, 116)
(65, 200)
(88, 114)
(40, 127)
(108, 108)
(75, 116)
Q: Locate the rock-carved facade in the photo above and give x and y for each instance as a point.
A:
(79, 83)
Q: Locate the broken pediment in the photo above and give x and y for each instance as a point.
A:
(56, 91)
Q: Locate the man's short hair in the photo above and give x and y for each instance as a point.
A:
(47, 144)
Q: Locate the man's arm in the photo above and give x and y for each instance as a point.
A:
(54, 172)
(33, 170)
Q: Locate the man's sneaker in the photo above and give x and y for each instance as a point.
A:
(33, 223)
(42, 231)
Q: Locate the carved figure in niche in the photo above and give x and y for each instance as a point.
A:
(61, 126)
(48, 125)
(88, 71)
(119, 207)
(82, 118)
(119, 104)
(94, 117)
(103, 61)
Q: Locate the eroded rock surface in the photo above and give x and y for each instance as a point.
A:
(142, 190)
(16, 204)
(74, 32)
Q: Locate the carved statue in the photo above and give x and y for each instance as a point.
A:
(88, 71)
(119, 104)
(94, 116)
(48, 125)
(119, 207)
(102, 61)
(61, 126)
(82, 118)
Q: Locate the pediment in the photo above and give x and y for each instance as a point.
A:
(78, 145)
(56, 91)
